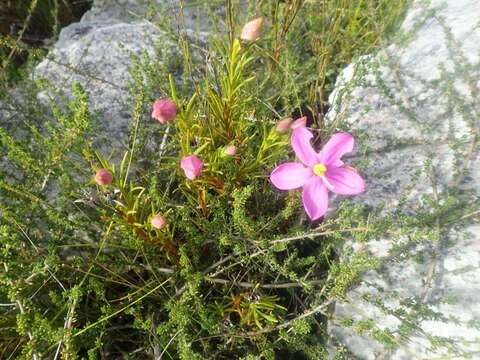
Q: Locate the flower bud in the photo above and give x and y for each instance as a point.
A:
(158, 221)
(231, 150)
(284, 125)
(103, 177)
(164, 110)
(192, 166)
(300, 122)
(252, 29)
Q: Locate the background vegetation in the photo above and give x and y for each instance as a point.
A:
(28, 25)
(239, 272)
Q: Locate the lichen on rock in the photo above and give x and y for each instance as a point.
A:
(416, 105)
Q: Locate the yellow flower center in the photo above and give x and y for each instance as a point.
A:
(319, 169)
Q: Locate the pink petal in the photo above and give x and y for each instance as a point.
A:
(301, 137)
(338, 145)
(290, 176)
(315, 198)
(190, 174)
(345, 181)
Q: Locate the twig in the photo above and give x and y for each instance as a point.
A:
(472, 214)
(166, 346)
(10, 304)
(313, 311)
(164, 141)
(265, 286)
(304, 236)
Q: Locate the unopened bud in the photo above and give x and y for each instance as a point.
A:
(103, 177)
(192, 166)
(252, 29)
(158, 221)
(284, 125)
(301, 122)
(164, 110)
(231, 150)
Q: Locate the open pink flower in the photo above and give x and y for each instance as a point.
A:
(318, 172)
(164, 110)
(192, 166)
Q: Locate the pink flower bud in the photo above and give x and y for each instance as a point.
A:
(301, 122)
(158, 221)
(192, 166)
(284, 125)
(231, 150)
(164, 110)
(103, 177)
(251, 30)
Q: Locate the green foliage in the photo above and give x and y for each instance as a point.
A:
(307, 43)
(236, 272)
(25, 25)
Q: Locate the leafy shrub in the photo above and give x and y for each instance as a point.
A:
(236, 271)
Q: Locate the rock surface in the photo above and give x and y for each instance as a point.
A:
(97, 53)
(107, 11)
(416, 105)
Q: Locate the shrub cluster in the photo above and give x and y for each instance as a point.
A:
(180, 247)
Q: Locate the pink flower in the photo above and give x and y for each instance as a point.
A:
(299, 122)
(284, 125)
(192, 166)
(103, 177)
(251, 30)
(318, 172)
(231, 150)
(164, 110)
(158, 221)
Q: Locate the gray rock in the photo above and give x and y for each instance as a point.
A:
(97, 53)
(98, 57)
(416, 105)
(190, 17)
